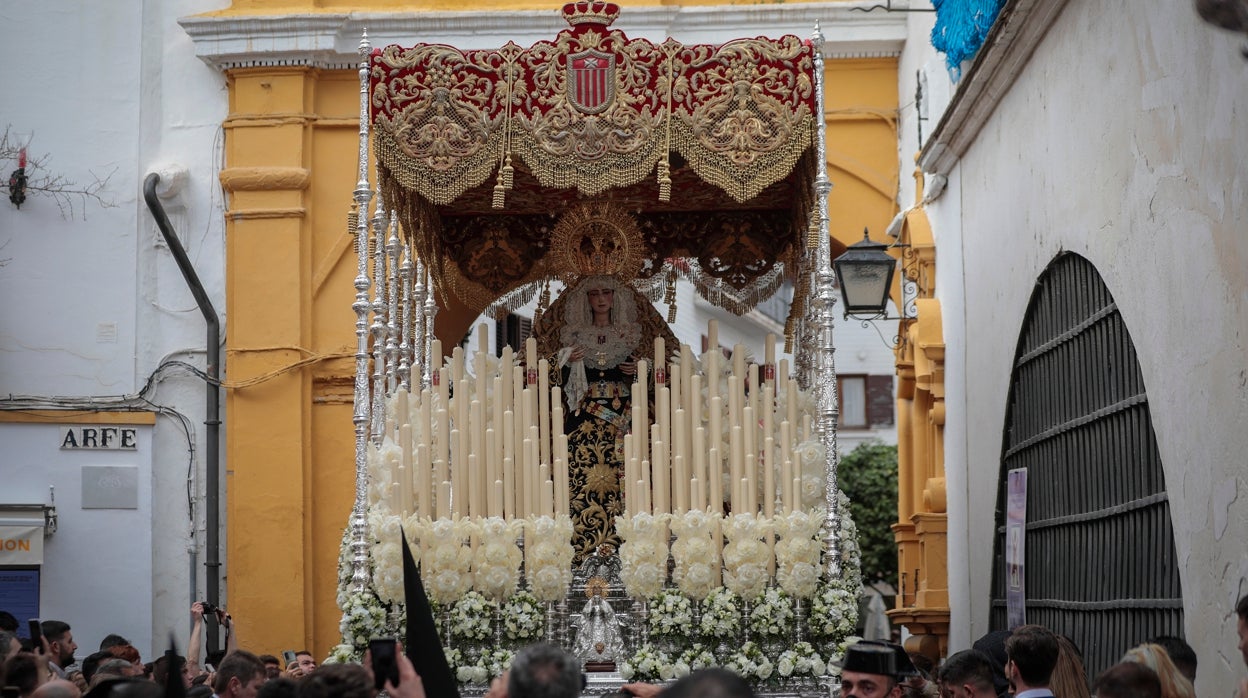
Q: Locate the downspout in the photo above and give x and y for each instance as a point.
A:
(212, 420)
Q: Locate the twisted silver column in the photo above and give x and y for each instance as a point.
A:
(360, 416)
(824, 303)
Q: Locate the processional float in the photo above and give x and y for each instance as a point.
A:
(498, 172)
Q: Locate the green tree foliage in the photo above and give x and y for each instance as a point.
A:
(868, 476)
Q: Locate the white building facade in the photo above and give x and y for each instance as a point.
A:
(1113, 131)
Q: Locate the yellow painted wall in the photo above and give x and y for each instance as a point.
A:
(291, 150)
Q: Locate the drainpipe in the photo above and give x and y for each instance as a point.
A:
(212, 421)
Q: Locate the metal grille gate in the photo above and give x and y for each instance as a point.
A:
(1100, 560)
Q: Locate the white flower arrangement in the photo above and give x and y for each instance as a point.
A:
(548, 543)
(798, 550)
(344, 654)
(646, 664)
(813, 469)
(721, 614)
(772, 614)
(837, 654)
(472, 617)
(447, 558)
(834, 610)
(522, 617)
(496, 564)
(486, 666)
(746, 557)
(643, 555)
(801, 660)
(750, 663)
(695, 553)
(670, 614)
(697, 657)
(363, 618)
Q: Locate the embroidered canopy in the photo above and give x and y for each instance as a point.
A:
(703, 155)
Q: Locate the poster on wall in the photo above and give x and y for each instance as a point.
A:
(1015, 547)
(19, 595)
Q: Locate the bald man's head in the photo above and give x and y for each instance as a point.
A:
(57, 688)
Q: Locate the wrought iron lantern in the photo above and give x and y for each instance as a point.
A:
(865, 274)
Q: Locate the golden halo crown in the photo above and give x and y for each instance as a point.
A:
(598, 239)
(591, 12)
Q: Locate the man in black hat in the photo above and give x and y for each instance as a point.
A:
(874, 670)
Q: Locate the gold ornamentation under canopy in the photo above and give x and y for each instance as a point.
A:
(484, 154)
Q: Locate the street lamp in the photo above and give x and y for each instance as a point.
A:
(865, 273)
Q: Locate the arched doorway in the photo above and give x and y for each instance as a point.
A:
(1100, 559)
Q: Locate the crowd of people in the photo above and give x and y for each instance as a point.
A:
(1029, 662)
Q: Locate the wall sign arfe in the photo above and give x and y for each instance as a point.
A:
(99, 438)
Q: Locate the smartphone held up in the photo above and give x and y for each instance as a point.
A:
(385, 661)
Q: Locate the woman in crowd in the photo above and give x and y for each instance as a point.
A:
(1173, 683)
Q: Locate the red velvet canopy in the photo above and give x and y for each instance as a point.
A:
(707, 150)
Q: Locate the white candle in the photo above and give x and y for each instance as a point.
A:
(561, 470)
(493, 471)
(424, 473)
(405, 467)
(738, 361)
(769, 480)
(680, 486)
(714, 441)
(770, 352)
(660, 361)
(483, 342)
(662, 474)
(509, 489)
(504, 375)
(543, 408)
(458, 477)
(457, 364)
(680, 460)
(786, 484)
(712, 335)
(699, 467)
(496, 499)
(435, 357)
(475, 488)
(444, 500)
(695, 494)
(736, 458)
(662, 414)
(546, 502)
(715, 481)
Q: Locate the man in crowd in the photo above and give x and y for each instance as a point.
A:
(303, 665)
(61, 645)
(870, 670)
(1031, 653)
(967, 674)
(541, 671)
(240, 675)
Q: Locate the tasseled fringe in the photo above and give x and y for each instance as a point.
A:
(500, 194)
(813, 231)
(665, 180)
(508, 175)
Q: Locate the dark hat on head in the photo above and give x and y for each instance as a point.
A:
(880, 658)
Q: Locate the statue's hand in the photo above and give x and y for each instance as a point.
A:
(578, 353)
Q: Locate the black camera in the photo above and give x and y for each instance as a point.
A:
(209, 609)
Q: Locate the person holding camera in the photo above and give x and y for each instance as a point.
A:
(199, 610)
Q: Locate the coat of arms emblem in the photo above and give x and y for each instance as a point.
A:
(591, 81)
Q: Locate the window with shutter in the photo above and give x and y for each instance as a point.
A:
(852, 398)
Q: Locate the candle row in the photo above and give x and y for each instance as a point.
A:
(480, 444)
(679, 460)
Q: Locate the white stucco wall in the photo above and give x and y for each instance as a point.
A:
(93, 301)
(1121, 140)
